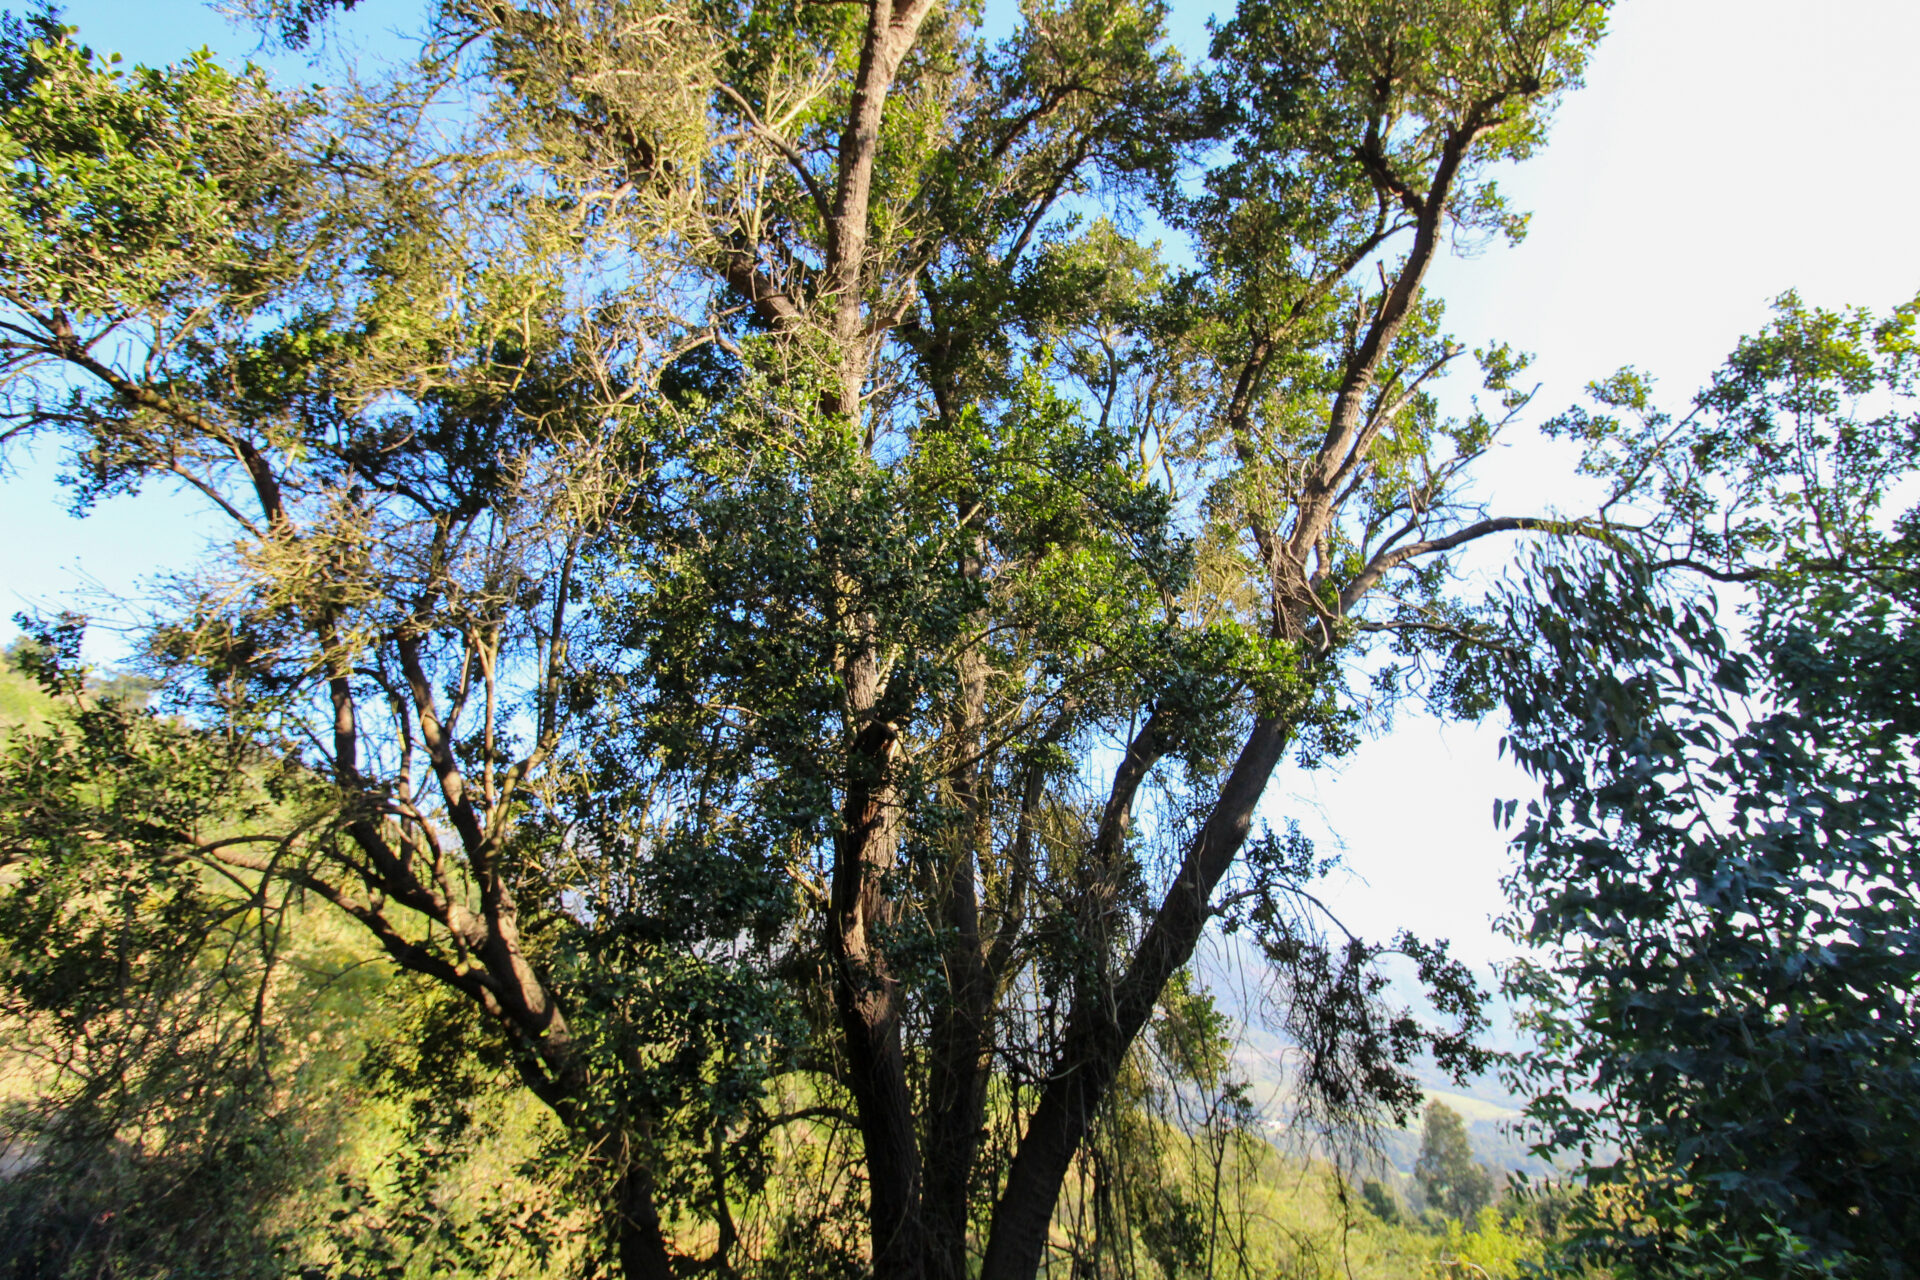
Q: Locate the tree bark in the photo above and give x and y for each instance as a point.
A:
(641, 1241)
(866, 992)
(957, 1066)
(957, 1086)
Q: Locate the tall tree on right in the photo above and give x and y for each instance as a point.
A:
(1720, 876)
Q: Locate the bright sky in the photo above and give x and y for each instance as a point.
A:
(1723, 152)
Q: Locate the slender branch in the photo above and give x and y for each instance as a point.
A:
(1386, 561)
(785, 148)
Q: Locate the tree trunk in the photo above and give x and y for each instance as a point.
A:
(1103, 1024)
(640, 1240)
(865, 990)
(958, 1066)
(957, 1077)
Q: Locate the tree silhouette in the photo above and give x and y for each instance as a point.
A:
(1450, 1179)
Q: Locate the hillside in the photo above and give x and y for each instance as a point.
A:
(21, 703)
(1231, 969)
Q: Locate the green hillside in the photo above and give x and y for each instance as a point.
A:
(21, 702)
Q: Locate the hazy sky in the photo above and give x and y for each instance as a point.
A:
(1724, 151)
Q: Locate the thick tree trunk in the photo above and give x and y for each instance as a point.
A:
(866, 991)
(1104, 1023)
(641, 1242)
(870, 1024)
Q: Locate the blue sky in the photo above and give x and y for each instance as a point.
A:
(1723, 152)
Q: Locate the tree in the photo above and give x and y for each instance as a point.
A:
(204, 1064)
(783, 614)
(1448, 1176)
(217, 283)
(1380, 1200)
(141, 1011)
(1721, 867)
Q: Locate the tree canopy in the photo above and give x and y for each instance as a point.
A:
(1449, 1178)
(752, 579)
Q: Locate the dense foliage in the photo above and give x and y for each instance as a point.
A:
(768, 605)
(1721, 871)
(1450, 1179)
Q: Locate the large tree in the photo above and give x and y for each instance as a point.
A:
(1449, 1178)
(791, 614)
(350, 346)
(1719, 880)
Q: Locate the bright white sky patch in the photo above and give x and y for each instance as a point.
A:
(1723, 152)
